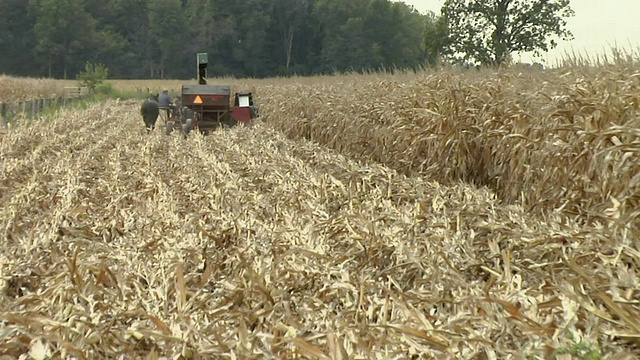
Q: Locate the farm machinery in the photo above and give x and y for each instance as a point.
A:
(208, 107)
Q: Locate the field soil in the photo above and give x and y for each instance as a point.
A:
(253, 244)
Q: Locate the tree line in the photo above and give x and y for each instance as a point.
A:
(145, 39)
(248, 38)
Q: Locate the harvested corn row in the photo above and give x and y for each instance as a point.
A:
(248, 244)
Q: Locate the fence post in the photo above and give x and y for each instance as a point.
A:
(13, 110)
(3, 114)
(32, 107)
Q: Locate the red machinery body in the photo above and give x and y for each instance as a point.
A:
(209, 107)
(242, 115)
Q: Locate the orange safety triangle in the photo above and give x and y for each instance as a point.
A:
(198, 100)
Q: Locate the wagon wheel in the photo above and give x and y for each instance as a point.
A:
(197, 117)
(173, 121)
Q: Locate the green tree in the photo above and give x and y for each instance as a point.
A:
(16, 38)
(110, 44)
(369, 35)
(339, 35)
(489, 31)
(64, 34)
(380, 25)
(436, 38)
(92, 76)
(201, 21)
(159, 38)
(289, 15)
(403, 48)
(242, 46)
(167, 24)
(252, 49)
(307, 50)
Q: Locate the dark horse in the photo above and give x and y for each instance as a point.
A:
(150, 111)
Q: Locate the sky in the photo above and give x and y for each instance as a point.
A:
(596, 26)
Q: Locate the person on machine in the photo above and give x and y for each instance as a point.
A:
(164, 102)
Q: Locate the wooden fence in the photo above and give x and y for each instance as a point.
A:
(75, 91)
(31, 108)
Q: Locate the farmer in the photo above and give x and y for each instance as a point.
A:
(164, 102)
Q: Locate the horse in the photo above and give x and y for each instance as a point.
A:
(150, 111)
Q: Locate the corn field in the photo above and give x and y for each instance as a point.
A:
(461, 215)
(23, 89)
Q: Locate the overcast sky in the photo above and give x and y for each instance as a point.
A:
(596, 25)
